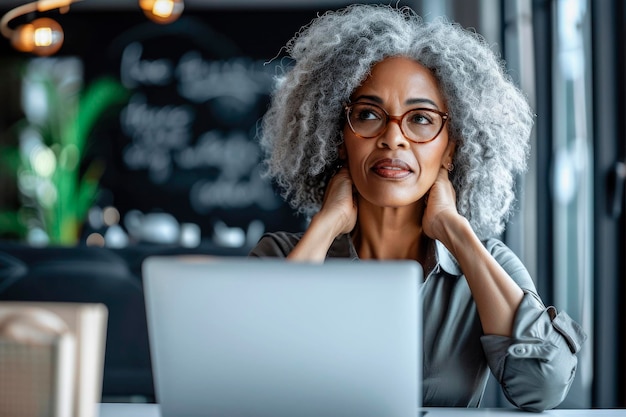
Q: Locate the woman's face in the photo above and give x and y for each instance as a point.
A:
(390, 170)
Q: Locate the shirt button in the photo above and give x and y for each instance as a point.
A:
(520, 350)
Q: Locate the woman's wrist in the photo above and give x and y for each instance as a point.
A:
(328, 225)
(454, 231)
(316, 240)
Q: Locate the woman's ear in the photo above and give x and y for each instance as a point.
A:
(343, 154)
(448, 155)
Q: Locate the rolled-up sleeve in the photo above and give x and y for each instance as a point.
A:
(537, 364)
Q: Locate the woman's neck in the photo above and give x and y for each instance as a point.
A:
(390, 233)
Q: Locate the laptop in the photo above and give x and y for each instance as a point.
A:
(261, 337)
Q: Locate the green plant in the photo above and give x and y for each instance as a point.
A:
(56, 191)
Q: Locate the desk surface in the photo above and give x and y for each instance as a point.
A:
(152, 410)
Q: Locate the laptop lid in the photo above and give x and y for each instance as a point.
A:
(260, 337)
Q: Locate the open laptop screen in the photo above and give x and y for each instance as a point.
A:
(259, 337)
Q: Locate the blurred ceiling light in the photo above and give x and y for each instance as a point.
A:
(162, 11)
(42, 36)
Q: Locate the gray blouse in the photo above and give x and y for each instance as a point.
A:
(535, 366)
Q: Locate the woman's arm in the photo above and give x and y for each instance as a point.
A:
(337, 216)
(531, 349)
(496, 295)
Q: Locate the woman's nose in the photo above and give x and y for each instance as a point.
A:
(392, 137)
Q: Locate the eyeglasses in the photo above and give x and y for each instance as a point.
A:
(418, 125)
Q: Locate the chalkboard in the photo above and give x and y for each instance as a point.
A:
(185, 142)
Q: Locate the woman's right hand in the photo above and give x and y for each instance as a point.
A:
(336, 217)
(339, 207)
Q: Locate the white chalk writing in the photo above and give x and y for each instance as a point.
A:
(157, 126)
(234, 154)
(136, 71)
(162, 140)
(208, 194)
(200, 80)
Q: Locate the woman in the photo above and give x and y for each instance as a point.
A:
(401, 140)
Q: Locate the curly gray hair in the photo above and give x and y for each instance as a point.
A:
(490, 119)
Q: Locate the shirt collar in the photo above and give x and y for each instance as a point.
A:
(344, 248)
(445, 259)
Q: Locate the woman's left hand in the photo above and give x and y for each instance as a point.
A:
(440, 206)
(496, 295)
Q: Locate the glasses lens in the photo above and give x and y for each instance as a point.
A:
(367, 120)
(421, 125)
(418, 125)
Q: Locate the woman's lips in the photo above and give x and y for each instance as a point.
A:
(392, 168)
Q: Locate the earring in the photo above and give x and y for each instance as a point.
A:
(339, 164)
(450, 167)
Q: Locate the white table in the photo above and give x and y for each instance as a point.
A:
(152, 410)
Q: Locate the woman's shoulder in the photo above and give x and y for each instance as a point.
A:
(276, 244)
(282, 236)
(280, 244)
(511, 263)
(499, 250)
(504, 255)
(495, 246)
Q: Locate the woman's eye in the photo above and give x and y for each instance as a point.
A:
(367, 114)
(421, 119)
